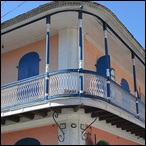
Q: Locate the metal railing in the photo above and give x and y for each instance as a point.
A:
(64, 83)
(95, 85)
(22, 92)
(141, 107)
(123, 99)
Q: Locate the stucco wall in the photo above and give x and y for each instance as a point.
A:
(92, 54)
(105, 136)
(46, 135)
(10, 60)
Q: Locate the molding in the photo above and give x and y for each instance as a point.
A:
(69, 101)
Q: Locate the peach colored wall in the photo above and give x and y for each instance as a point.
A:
(105, 136)
(10, 60)
(92, 54)
(119, 74)
(46, 135)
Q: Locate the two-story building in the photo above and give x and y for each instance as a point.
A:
(71, 73)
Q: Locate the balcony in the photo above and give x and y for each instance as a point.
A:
(66, 83)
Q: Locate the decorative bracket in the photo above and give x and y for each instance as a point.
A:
(60, 137)
(85, 135)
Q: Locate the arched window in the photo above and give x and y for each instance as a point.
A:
(101, 65)
(112, 74)
(102, 142)
(125, 85)
(28, 65)
(28, 141)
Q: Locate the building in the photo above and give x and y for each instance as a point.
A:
(71, 73)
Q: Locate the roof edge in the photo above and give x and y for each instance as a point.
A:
(56, 4)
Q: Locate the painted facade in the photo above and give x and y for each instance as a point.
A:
(70, 101)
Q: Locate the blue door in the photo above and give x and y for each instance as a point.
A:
(28, 66)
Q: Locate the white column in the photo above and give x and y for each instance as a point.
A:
(68, 49)
(72, 132)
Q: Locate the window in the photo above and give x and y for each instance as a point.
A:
(28, 141)
(102, 142)
(125, 85)
(112, 74)
(101, 65)
(28, 65)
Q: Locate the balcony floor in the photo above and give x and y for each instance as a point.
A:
(103, 115)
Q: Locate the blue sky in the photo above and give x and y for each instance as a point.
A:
(130, 13)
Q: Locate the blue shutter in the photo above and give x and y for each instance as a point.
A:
(28, 66)
(125, 85)
(101, 65)
(28, 141)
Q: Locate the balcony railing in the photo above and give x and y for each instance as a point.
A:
(22, 92)
(66, 83)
